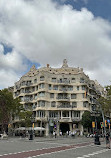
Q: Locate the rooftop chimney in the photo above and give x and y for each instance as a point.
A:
(48, 65)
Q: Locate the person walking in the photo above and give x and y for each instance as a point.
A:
(97, 141)
(107, 141)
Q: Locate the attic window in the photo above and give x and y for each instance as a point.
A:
(42, 78)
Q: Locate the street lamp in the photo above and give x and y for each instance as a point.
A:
(32, 126)
(102, 115)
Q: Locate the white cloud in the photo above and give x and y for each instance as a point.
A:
(11, 60)
(7, 78)
(45, 32)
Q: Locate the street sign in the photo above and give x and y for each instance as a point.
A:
(108, 121)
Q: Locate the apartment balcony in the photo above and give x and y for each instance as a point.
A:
(64, 81)
(28, 100)
(28, 91)
(17, 94)
(64, 106)
(76, 119)
(65, 119)
(18, 87)
(63, 98)
(64, 90)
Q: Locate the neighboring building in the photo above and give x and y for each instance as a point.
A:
(11, 89)
(57, 96)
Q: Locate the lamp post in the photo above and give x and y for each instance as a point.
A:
(101, 113)
(32, 126)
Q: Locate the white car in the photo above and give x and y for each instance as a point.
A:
(4, 136)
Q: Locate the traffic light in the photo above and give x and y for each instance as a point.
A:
(101, 124)
(105, 123)
(33, 125)
(93, 124)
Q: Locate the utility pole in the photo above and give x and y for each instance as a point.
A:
(103, 119)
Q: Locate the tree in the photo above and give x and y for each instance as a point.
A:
(106, 101)
(9, 107)
(86, 119)
(26, 118)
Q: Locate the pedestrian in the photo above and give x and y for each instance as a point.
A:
(54, 133)
(107, 141)
(67, 133)
(97, 141)
(60, 133)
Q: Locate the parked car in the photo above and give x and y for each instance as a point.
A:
(90, 135)
(4, 136)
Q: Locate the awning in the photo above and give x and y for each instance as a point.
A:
(20, 129)
(30, 128)
(39, 129)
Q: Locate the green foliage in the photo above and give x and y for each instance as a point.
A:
(26, 118)
(86, 119)
(9, 107)
(106, 102)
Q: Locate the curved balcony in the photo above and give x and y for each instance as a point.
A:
(63, 81)
(63, 98)
(64, 106)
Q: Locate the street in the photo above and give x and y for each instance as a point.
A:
(79, 147)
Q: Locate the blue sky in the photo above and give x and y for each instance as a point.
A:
(100, 8)
(40, 32)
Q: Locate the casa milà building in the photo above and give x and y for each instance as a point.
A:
(57, 96)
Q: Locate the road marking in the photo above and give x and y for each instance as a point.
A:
(39, 152)
(58, 151)
(94, 153)
(52, 143)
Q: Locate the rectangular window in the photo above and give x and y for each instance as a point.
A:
(37, 88)
(22, 91)
(55, 87)
(53, 79)
(76, 113)
(74, 104)
(85, 104)
(50, 87)
(73, 96)
(41, 103)
(73, 80)
(83, 88)
(77, 88)
(33, 89)
(41, 94)
(41, 86)
(53, 104)
(53, 114)
(81, 80)
(35, 97)
(70, 88)
(52, 95)
(41, 113)
(35, 80)
(42, 78)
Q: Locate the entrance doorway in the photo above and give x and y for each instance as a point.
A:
(64, 127)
